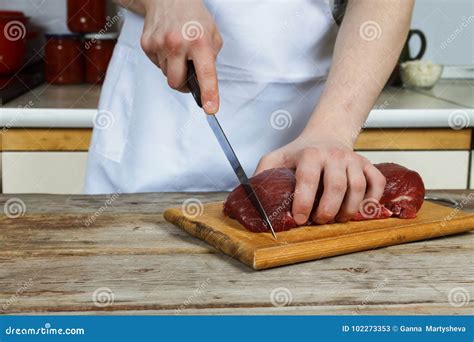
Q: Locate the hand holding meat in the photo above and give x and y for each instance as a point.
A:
(347, 178)
(178, 30)
(402, 197)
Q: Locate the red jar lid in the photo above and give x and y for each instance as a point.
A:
(11, 15)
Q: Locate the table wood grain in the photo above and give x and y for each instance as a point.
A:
(117, 255)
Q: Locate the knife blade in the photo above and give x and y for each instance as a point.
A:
(216, 128)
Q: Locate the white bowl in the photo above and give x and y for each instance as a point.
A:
(420, 74)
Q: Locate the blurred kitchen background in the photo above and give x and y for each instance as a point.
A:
(51, 74)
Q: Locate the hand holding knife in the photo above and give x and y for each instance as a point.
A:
(193, 85)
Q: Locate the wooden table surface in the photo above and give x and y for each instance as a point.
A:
(116, 255)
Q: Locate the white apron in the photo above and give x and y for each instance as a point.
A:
(271, 71)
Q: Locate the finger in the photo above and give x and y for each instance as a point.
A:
(176, 69)
(355, 192)
(184, 89)
(335, 185)
(217, 43)
(204, 62)
(154, 58)
(163, 64)
(151, 44)
(375, 182)
(150, 48)
(267, 162)
(307, 177)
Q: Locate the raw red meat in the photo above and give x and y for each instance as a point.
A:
(404, 192)
(403, 196)
(275, 189)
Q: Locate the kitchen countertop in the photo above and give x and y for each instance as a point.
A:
(75, 106)
(139, 264)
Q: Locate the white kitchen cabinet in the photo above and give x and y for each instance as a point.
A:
(472, 170)
(439, 169)
(64, 172)
(43, 172)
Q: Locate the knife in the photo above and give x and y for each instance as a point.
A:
(193, 86)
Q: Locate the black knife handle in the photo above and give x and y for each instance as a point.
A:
(193, 83)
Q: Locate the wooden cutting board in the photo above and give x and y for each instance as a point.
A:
(261, 251)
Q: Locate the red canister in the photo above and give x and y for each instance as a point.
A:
(98, 49)
(85, 16)
(13, 37)
(64, 61)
